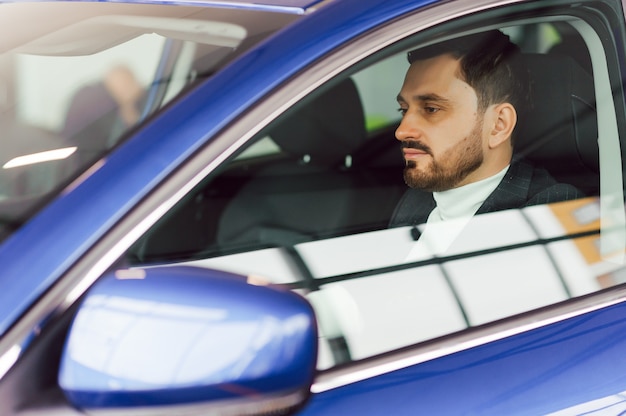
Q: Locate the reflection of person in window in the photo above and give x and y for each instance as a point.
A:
(122, 85)
(458, 102)
(104, 110)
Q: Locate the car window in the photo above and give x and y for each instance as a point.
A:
(323, 208)
(73, 88)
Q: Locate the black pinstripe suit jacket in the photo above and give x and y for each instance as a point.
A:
(523, 185)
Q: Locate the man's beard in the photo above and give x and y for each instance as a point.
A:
(449, 169)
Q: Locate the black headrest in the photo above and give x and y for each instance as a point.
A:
(326, 129)
(559, 129)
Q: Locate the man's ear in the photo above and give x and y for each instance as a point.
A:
(504, 118)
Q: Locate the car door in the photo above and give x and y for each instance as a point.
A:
(564, 357)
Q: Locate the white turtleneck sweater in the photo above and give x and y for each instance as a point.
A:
(454, 208)
(465, 200)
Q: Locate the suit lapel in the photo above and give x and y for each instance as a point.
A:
(413, 209)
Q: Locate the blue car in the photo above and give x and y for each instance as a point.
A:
(211, 207)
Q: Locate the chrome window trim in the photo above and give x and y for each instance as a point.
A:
(121, 236)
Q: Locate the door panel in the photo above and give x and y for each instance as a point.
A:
(545, 370)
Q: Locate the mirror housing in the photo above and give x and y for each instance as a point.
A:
(189, 341)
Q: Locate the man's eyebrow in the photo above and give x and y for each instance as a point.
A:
(425, 97)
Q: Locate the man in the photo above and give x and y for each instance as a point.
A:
(460, 102)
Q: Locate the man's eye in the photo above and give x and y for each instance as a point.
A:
(402, 111)
(431, 110)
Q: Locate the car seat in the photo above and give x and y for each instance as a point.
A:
(308, 194)
(558, 130)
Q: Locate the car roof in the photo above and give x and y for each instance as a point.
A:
(302, 4)
(285, 6)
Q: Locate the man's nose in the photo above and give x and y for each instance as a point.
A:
(408, 128)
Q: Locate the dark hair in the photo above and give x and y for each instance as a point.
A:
(489, 63)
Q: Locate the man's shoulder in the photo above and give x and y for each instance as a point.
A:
(543, 188)
(526, 184)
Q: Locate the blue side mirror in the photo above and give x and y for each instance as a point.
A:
(188, 340)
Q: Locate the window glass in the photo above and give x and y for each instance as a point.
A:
(317, 202)
(81, 76)
(377, 82)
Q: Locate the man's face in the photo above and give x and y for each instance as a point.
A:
(441, 130)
